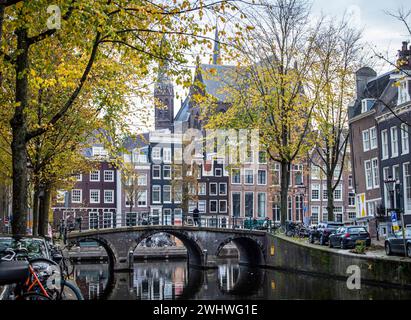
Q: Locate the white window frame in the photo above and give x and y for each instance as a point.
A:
(265, 204)
(232, 176)
(106, 172)
(373, 138)
(142, 179)
(405, 139)
(216, 206)
(403, 91)
(384, 145)
(366, 142)
(258, 177)
(157, 166)
(80, 196)
(245, 176)
(158, 187)
(167, 155)
(219, 206)
(202, 188)
(170, 193)
(79, 177)
(367, 184)
(219, 188)
(216, 188)
(407, 202)
(142, 194)
(156, 154)
(316, 187)
(232, 203)
(317, 213)
(93, 172)
(167, 168)
(97, 191)
(338, 188)
(394, 143)
(106, 192)
(375, 173)
(220, 170)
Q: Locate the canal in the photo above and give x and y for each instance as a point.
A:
(165, 280)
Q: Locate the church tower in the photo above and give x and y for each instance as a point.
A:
(164, 98)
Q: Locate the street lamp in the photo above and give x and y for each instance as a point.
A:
(392, 185)
(302, 189)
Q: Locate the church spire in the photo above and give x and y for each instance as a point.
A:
(216, 51)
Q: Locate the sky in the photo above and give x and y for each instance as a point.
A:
(381, 32)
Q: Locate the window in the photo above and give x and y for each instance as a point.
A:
(156, 172)
(276, 174)
(403, 95)
(368, 174)
(94, 196)
(156, 194)
(315, 172)
(366, 140)
(95, 175)
(223, 189)
(338, 193)
(202, 188)
(167, 217)
(178, 193)
(218, 172)
(248, 176)
(290, 208)
(142, 180)
(166, 155)
(108, 176)
(325, 214)
(405, 139)
(167, 194)
(107, 219)
(352, 215)
(351, 199)
(261, 202)
(99, 152)
(142, 199)
(375, 173)
(338, 213)
(93, 219)
(235, 176)
(314, 214)
(213, 206)
(108, 196)
(262, 157)
(249, 204)
(60, 197)
(262, 177)
(236, 204)
(223, 206)
(202, 206)
(298, 175)
(177, 172)
(384, 144)
(299, 207)
(276, 212)
(315, 192)
(131, 219)
(386, 174)
(394, 142)
(373, 138)
(156, 154)
(78, 177)
(213, 189)
(76, 195)
(167, 172)
(407, 187)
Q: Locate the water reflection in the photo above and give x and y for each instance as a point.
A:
(162, 280)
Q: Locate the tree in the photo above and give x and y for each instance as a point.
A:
(106, 47)
(130, 182)
(338, 50)
(274, 89)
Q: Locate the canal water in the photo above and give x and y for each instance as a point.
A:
(165, 280)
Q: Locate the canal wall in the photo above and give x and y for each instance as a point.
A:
(288, 254)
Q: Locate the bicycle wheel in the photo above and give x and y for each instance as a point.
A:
(70, 291)
(33, 296)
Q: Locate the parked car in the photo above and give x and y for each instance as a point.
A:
(36, 247)
(395, 243)
(348, 237)
(323, 231)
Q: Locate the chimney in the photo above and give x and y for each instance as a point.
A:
(362, 76)
(404, 56)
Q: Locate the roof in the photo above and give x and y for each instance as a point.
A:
(184, 113)
(138, 141)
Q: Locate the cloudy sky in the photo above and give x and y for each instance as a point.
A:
(381, 32)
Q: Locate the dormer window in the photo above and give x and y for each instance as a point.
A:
(403, 92)
(367, 104)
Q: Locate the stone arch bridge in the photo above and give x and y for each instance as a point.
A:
(203, 244)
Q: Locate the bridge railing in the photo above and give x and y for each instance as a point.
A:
(102, 222)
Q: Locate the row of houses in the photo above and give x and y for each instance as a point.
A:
(163, 189)
(379, 124)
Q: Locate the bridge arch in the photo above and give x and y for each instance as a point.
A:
(195, 252)
(251, 251)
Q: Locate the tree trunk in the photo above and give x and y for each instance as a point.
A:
(285, 181)
(1, 33)
(19, 132)
(330, 199)
(36, 208)
(44, 212)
